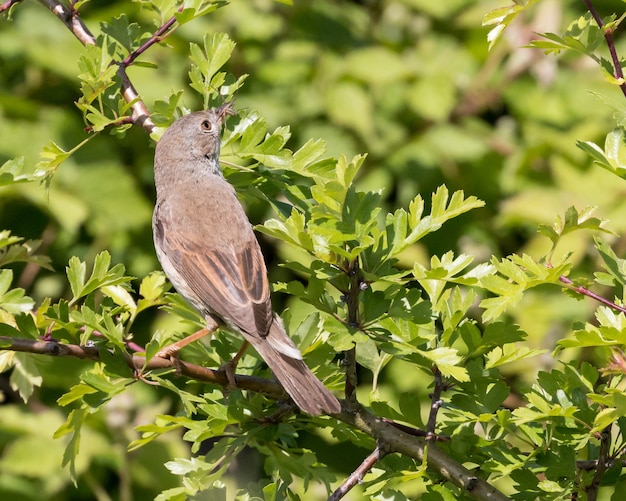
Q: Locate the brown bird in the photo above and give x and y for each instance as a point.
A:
(208, 250)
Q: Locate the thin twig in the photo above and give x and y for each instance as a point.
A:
(592, 464)
(602, 465)
(357, 475)
(156, 37)
(608, 36)
(586, 292)
(71, 19)
(435, 405)
(396, 440)
(352, 302)
(416, 432)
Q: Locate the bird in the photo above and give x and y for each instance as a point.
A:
(208, 250)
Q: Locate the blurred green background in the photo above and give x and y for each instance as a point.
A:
(409, 82)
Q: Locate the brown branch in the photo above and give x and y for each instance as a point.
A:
(156, 37)
(357, 475)
(608, 36)
(416, 432)
(138, 364)
(396, 440)
(592, 464)
(71, 21)
(435, 405)
(352, 301)
(70, 18)
(601, 466)
(390, 438)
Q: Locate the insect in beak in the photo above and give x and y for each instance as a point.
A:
(225, 110)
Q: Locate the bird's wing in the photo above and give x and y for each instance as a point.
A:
(231, 282)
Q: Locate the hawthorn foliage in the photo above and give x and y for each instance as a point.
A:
(435, 338)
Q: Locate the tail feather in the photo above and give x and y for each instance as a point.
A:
(299, 382)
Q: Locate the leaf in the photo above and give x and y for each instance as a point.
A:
(15, 249)
(509, 353)
(126, 34)
(572, 221)
(52, 157)
(614, 265)
(448, 362)
(207, 62)
(443, 209)
(101, 276)
(503, 17)
(25, 376)
(11, 172)
(13, 301)
(613, 157)
(72, 425)
(152, 289)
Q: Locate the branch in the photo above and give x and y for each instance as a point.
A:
(586, 292)
(352, 301)
(435, 405)
(138, 364)
(602, 465)
(396, 440)
(70, 18)
(357, 476)
(390, 438)
(608, 36)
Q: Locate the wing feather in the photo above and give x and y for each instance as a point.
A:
(230, 282)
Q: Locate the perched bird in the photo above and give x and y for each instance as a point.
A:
(208, 250)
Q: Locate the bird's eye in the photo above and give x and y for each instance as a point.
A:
(206, 125)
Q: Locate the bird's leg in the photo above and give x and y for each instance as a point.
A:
(230, 366)
(171, 351)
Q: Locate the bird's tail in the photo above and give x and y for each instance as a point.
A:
(299, 382)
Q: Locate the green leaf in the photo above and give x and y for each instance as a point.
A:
(613, 264)
(508, 354)
(77, 392)
(101, 276)
(25, 376)
(126, 34)
(11, 172)
(14, 250)
(13, 301)
(443, 209)
(207, 62)
(52, 157)
(152, 289)
(448, 362)
(613, 157)
(503, 17)
(72, 425)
